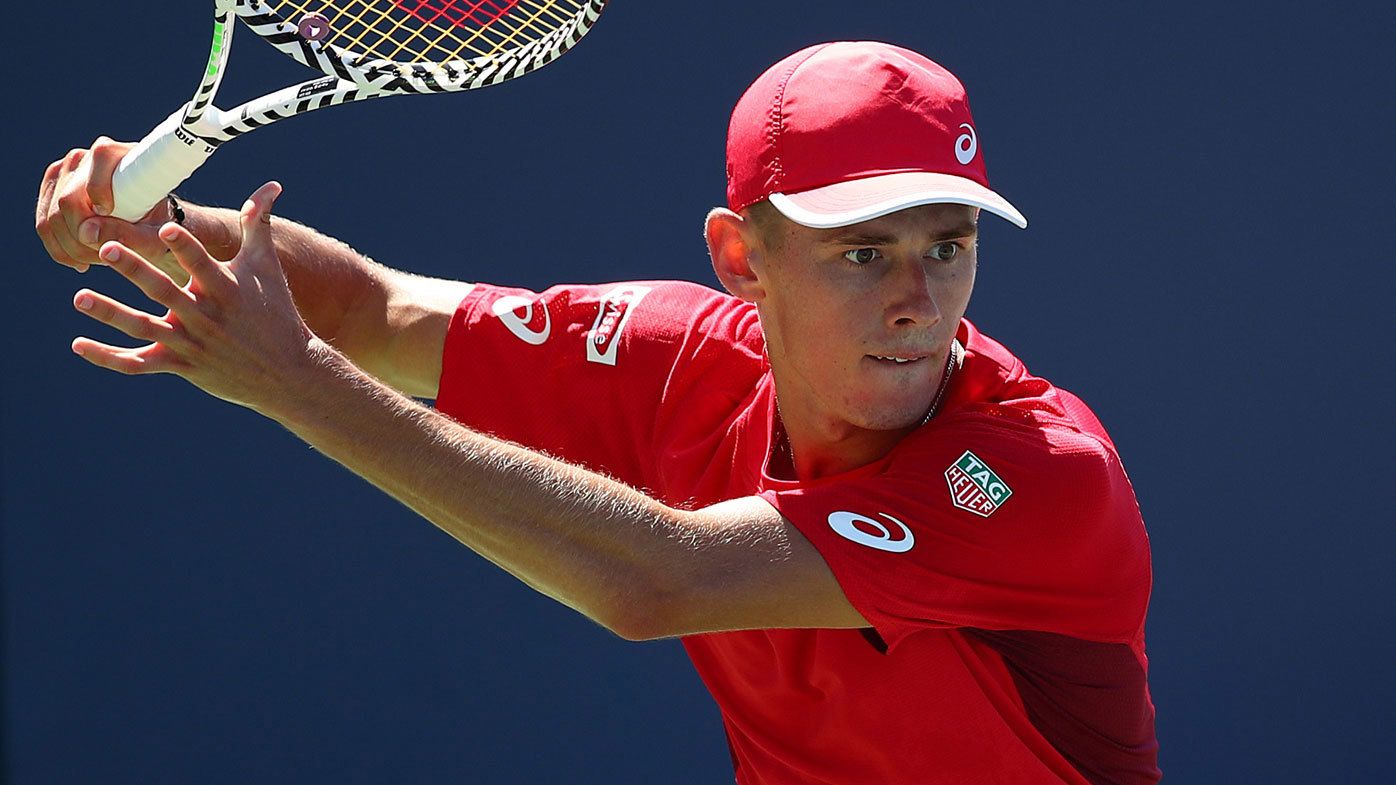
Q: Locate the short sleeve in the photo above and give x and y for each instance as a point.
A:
(985, 526)
(577, 372)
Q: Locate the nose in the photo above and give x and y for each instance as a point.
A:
(911, 298)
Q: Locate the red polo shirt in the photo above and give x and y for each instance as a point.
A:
(998, 550)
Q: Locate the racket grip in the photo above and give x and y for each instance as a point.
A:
(155, 166)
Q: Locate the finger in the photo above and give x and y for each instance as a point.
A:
(144, 240)
(148, 278)
(77, 207)
(211, 274)
(106, 155)
(142, 360)
(42, 226)
(139, 237)
(47, 219)
(256, 216)
(46, 186)
(73, 159)
(69, 208)
(137, 324)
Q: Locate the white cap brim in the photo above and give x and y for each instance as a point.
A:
(855, 201)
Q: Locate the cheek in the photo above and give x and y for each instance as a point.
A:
(828, 351)
(818, 325)
(953, 292)
(964, 283)
(809, 331)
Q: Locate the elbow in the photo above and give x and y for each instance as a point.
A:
(666, 594)
(637, 630)
(645, 613)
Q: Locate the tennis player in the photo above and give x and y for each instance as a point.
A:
(893, 554)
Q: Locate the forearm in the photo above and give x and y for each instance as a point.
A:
(326, 276)
(634, 565)
(594, 544)
(390, 323)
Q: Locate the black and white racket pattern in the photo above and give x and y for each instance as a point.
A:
(365, 49)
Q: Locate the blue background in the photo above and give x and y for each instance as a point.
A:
(191, 594)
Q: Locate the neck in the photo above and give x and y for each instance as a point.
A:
(806, 448)
(802, 457)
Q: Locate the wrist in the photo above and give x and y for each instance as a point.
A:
(304, 394)
(216, 228)
(159, 215)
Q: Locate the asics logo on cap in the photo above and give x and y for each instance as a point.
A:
(846, 524)
(966, 145)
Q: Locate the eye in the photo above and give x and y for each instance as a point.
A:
(944, 252)
(862, 255)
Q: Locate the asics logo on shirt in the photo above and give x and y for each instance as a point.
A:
(505, 308)
(966, 145)
(617, 306)
(855, 527)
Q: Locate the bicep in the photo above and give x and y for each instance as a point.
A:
(751, 568)
(401, 321)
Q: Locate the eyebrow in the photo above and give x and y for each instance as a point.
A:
(867, 238)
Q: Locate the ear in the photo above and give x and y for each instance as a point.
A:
(735, 253)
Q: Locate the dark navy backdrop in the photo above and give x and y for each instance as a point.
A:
(190, 594)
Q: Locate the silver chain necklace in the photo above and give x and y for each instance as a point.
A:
(951, 363)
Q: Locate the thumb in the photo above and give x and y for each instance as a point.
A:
(106, 155)
(256, 216)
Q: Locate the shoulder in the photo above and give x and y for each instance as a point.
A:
(997, 408)
(608, 318)
(682, 308)
(976, 522)
(1048, 502)
(1031, 464)
(697, 328)
(1000, 458)
(1012, 441)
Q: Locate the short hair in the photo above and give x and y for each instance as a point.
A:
(768, 222)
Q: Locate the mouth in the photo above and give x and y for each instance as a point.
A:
(898, 359)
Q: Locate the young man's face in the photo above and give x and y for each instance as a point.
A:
(859, 320)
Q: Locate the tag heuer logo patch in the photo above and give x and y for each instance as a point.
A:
(974, 486)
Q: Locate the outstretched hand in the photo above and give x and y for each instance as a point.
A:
(233, 330)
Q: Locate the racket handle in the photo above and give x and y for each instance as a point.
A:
(155, 166)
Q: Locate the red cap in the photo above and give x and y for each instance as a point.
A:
(845, 132)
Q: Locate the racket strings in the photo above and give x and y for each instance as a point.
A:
(434, 30)
(459, 14)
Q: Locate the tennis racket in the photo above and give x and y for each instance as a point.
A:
(365, 49)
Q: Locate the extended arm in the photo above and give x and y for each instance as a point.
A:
(640, 568)
(636, 566)
(384, 319)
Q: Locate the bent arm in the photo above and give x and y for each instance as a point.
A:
(390, 323)
(638, 567)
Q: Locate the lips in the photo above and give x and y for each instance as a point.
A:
(899, 359)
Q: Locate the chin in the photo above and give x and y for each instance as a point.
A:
(891, 419)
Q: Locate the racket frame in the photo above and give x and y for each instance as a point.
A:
(177, 147)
